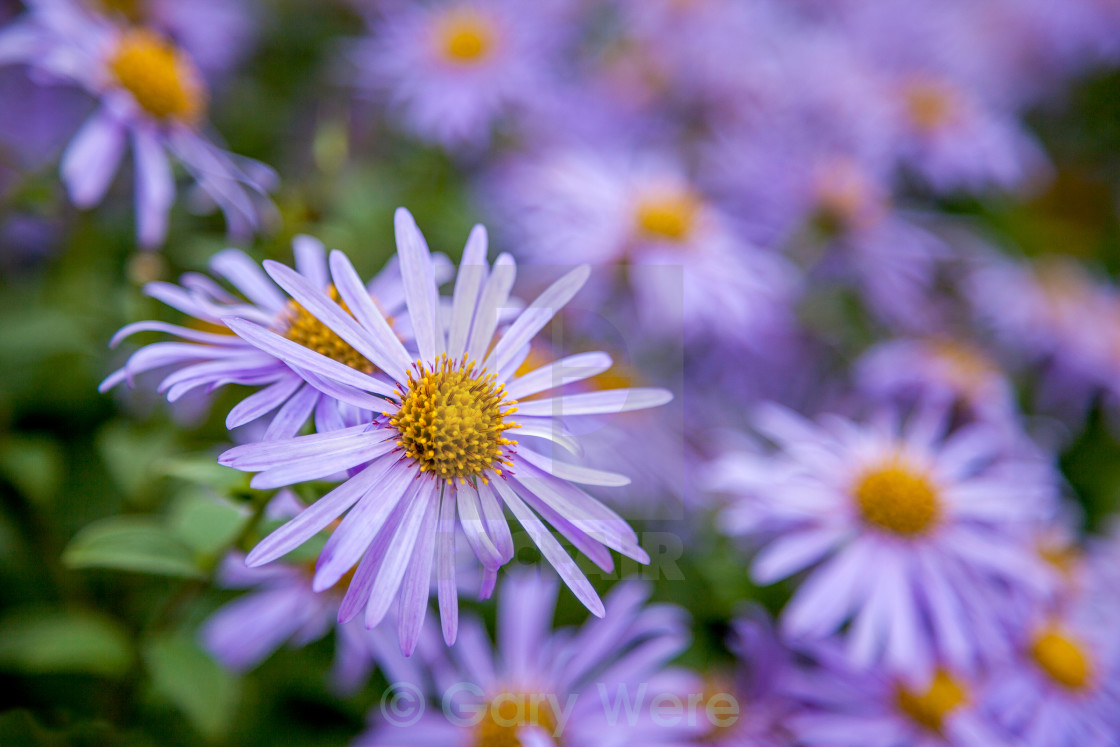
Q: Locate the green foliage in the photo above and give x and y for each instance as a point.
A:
(40, 641)
(187, 678)
(131, 543)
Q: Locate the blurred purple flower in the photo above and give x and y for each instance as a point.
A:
(150, 93)
(685, 263)
(849, 707)
(454, 69)
(906, 531)
(589, 686)
(1062, 685)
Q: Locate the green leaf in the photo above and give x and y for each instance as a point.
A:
(131, 453)
(43, 641)
(33, 464)
(194, 683)
(131, 543)
(205, 522)
(202, 469)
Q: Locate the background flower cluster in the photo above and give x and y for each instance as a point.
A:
(827, 290)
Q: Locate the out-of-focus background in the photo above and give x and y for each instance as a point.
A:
(857, 163)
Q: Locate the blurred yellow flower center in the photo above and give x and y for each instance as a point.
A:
(846, 197)
(967, 368)
(133, 10)
(1062, 657)
(307, 330)
(930, 708)
(465, 37)
(509, 712)
(452, 420)
(897, 498)
(668, 216)
(930, 104)
(162, 79)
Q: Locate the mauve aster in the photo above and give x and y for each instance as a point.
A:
(593, 686)
(1061, 686)
(905, 530)
(454, 69)
(210, 356)
(449, 446)
(686, 264)
(280, 608)
(849, 707)
(151, 94)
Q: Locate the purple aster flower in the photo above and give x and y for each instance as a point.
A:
(1061, 687)
(597, 685)
(217, 34)
(1037, 312)
(152, 95)
(455, 68)
(759, 688)
(906, 531)
(848, 707)
(686, 262)
(207, 355)
(449, 447)
(946, 371)
(281, 608)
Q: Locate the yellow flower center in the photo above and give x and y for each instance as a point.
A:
(506, 713)
(465, 37)
(308, 331)
(452, 419)
(897, 498)
(162, 79)
(930, 708)
(930, 104)
(1062, 657)
(668, 216)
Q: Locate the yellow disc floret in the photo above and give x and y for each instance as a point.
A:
(929, 709)
(452, 420)
(465, 37)
(162, 79)
(930, 104)
(507, 713)
(898, 498)
(304, 328)
(1062, 657)
(668, 215)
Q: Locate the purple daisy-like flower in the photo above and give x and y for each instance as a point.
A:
(849, 707)
(281, 608)
(208, 355)
(448, 447)
(594, 685)
(907, 532)
(152, 95)
(1061, 686)
(645, 215)
(944, 370)
(456, 68)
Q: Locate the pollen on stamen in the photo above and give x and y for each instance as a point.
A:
(452, 420)
(307, 330)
